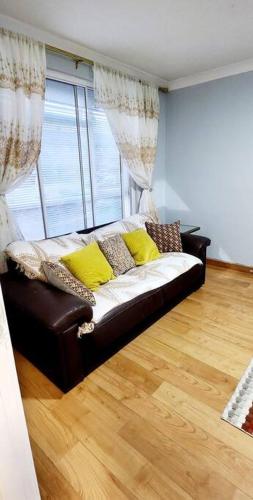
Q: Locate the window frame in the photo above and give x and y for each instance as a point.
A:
(125, 181)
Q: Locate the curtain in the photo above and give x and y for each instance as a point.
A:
(132, 109)
(22, 87)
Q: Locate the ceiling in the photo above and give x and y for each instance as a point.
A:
(168, 38)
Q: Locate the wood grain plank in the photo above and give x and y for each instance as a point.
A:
(89, 478)
(194, 478)
(146, 424)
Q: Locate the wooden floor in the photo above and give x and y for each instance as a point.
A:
(146, 425)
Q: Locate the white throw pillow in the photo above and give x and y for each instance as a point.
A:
(30, 254)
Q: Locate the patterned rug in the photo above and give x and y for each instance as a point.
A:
(239, 410)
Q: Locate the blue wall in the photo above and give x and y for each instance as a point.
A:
(209, 163)
(204, 164)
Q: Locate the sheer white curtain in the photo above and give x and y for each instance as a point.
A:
(22, 86)
(132, 109)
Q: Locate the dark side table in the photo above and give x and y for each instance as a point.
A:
(186, 228)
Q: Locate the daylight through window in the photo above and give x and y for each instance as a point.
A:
(79, 181)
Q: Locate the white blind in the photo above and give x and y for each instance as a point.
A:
(59, 164)
(78, 182)
(26, 204)
(105, 165)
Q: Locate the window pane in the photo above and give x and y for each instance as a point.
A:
(105, 165)
(25, 203)
(79, 169)
(59, 161)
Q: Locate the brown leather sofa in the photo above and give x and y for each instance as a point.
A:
(44, 321)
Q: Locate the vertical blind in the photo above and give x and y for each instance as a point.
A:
(79, 181)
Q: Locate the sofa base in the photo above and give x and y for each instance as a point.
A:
(151, 306)
(66, 359)
(57, 356)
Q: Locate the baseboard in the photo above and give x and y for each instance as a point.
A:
(229, 265)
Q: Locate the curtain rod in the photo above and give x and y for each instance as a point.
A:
(84, 60)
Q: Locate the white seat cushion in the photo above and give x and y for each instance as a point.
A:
(140, 280)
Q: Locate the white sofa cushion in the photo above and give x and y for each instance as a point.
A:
(140, 280)
(30, 254)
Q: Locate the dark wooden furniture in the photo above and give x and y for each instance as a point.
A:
(188, 229)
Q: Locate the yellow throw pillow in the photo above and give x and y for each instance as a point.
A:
(141, 246)
(89, 266)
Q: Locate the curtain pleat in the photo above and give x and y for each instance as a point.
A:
(22, 88)
(132, 109)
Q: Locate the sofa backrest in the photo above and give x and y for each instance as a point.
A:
(28, 255)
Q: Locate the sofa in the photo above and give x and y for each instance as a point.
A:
(46, 324)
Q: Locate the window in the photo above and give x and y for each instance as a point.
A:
(79, 181)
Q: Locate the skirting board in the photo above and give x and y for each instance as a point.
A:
(229, 265)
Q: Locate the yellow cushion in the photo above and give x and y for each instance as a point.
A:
(89, 266)
(141, 246)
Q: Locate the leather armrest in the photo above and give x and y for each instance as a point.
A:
(195, 245)
(42, 304)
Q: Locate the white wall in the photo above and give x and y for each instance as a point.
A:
(209, 163)
(17, 475)
(77, 49)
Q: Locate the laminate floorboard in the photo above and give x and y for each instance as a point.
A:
(146, 424)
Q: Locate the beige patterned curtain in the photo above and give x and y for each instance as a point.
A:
(132, 109)
(22, 86)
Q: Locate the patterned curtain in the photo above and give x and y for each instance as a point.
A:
(22, 86)
(132, 109)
